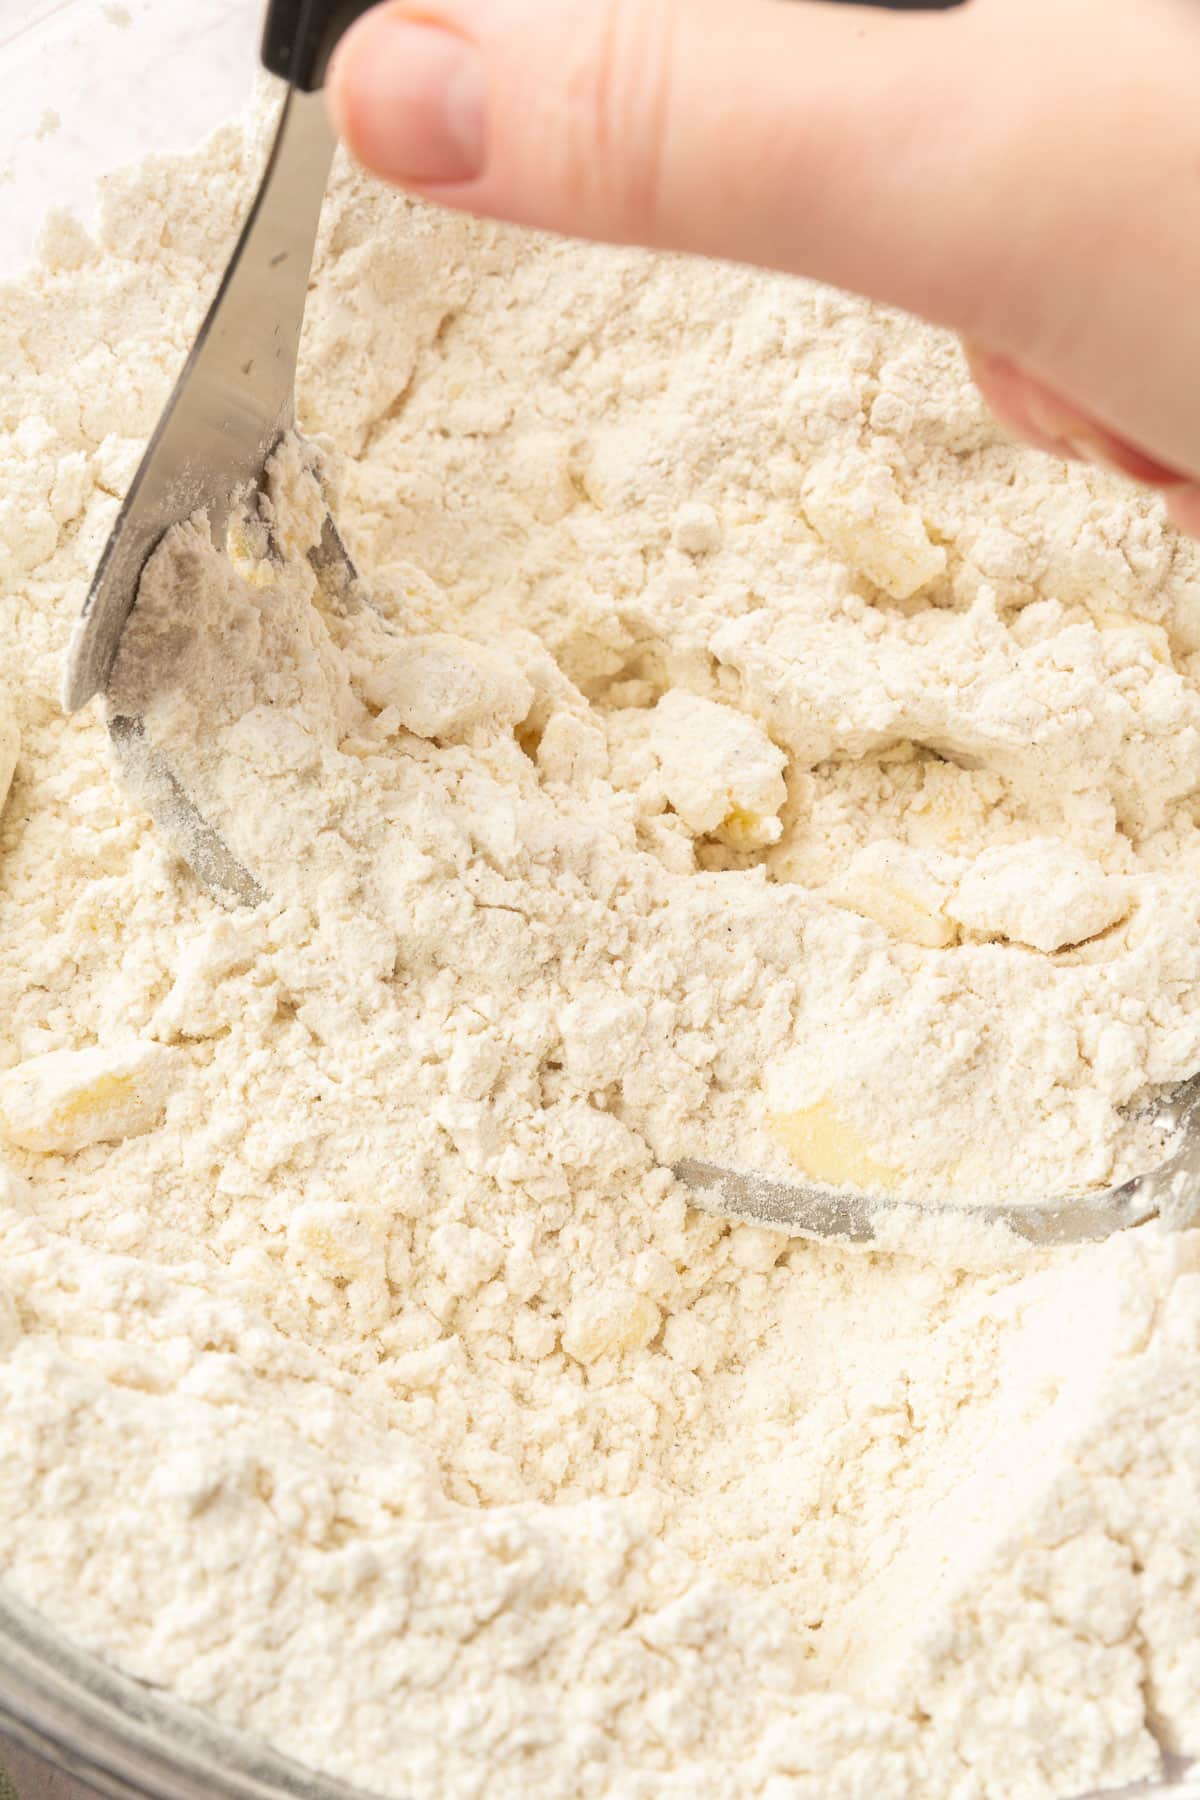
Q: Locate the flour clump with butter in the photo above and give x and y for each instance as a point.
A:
(737, 747)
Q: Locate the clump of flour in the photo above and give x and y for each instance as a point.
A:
(741, 749)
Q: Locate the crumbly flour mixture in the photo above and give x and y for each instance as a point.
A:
(735, 747)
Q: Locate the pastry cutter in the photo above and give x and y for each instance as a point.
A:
(230, 406)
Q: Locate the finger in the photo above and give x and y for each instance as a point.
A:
(808, 136)
(1006, 389)
(1036, 412)
(1183, 505)
(1087, 142)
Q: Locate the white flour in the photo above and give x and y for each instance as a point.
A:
(747, 752)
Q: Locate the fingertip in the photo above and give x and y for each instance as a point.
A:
(1046, 419)
(1005, 391)
(407, 99)
(1183, 507)
(340, 77)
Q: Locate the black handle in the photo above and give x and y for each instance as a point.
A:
(300, 36)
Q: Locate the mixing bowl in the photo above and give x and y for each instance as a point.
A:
(89, 85)
(107, 1735)
(75, 1727)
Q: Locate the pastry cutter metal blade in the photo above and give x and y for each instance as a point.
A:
(230, 406)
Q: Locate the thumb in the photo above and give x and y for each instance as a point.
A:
(812, 137)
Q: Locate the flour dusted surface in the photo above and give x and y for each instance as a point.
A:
(364, 1376)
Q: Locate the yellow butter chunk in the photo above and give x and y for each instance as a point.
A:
(826, 1149)
(720, 771)
(1153, 636)
(10, 743)
(448, 687)
(893, 885)
(854, 507)
(608, 1321)
(1041, 893)
(68, 1099)
(336, 1240)
(746, 830)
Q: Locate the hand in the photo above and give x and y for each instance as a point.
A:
(1024, 171)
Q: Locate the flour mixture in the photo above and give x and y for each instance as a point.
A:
(740, 750)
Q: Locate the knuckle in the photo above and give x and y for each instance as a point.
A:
(618, 114)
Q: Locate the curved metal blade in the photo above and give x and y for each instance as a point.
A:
(152, 781)
(232, 400)
(1171, 1191)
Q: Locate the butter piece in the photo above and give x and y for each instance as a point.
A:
(826, 1149)
(447, 687)
(1152, 636)
(720, 770)
(894, 885)
(68, 1099)
(10, 744)
(1041, 893)
(853, 507)
(607, 1321)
